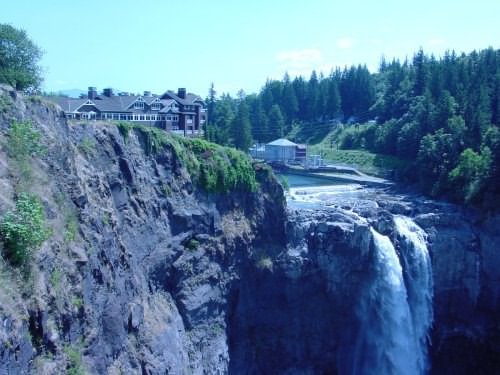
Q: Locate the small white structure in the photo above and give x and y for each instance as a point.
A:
(314, 161)
(258, 151)
(281, 150)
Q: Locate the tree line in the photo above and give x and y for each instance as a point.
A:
(281, 104)
(440, 114)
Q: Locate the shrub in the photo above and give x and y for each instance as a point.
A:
(24, 229)
(124, 129)
(24, 141)
(87, 146)
(75, 366)
(70, 226)
(283, 180)
(192, 244)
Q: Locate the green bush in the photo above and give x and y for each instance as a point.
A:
(124, 129)
(24, 229)
(192, 244)
(221, 169)
(87, 146)
(70, 226)
(24, 141)
(470, 175)
(75, 365)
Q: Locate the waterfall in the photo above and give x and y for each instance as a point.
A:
(418, 280)
(395, 309)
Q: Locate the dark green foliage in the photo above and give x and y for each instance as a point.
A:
(124, 129)
(241, 128)
(24, 141)
(219, 129)
(213, 167)
(74, 356)
(192, 244)
(24, 229)
(5, 103)
(19, 58)
(443, 115)
(471, 173)
(427, 111)
(276, 123)
(221, 169)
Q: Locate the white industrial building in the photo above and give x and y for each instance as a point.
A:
(281, 150)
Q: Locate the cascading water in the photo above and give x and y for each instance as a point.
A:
(385, 343)
(418, 280)
(395, 310)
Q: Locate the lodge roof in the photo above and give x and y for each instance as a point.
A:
(282, 142)
(124, 103)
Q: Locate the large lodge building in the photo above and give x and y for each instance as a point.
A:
(179, 112)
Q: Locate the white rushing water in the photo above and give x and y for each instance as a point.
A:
(396, 308)
(323, 194)
(418, 277)
(386, 342)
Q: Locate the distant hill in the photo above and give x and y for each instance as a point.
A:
(72, 93)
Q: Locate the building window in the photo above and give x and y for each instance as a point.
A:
(141, 118)
(139, 105)
(155, 106)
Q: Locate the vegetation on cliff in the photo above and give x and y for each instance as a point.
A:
(213, 167)
(23, 229)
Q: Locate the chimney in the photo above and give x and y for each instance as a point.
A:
(92, 93)
(108, 92)
(181, 93)
(147, 93)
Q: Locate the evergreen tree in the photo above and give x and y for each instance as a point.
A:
(212, 96)
(241, 127)
(312, 99)
(333, 98)
(267, 96)
(300, 89)
(276, 123)
(223, 118)
(289, 99)
(421, 73)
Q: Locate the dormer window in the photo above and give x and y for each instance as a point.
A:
(139, 104)
(156, 106)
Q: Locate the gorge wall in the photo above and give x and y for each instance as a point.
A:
(162, 277)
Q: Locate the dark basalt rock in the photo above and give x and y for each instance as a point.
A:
(162, 277)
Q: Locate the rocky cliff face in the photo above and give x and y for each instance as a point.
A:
(146, 273)
(143, 284)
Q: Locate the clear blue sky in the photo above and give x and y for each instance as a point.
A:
(162, 44)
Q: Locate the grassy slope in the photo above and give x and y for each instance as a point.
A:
(366, 161)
